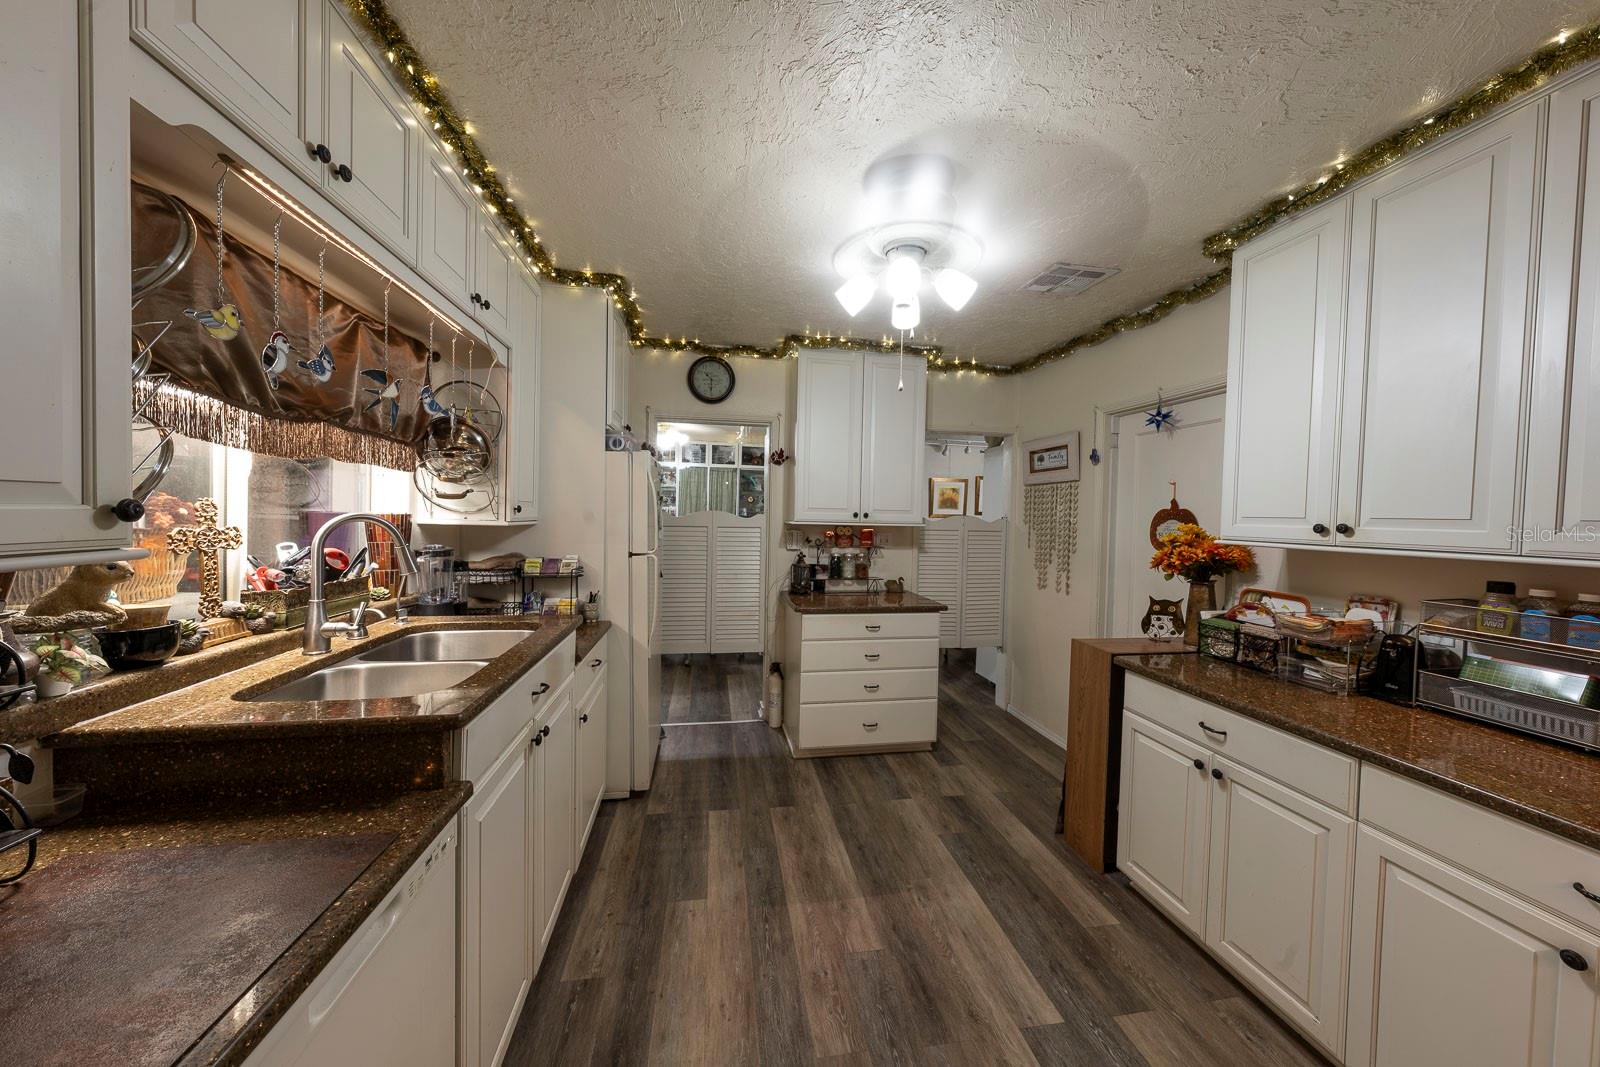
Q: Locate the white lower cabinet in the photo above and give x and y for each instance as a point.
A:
(497, 904)
(1278, 895)
(1163, 819)
(553, 795)
(1447, 969)
(591, 745)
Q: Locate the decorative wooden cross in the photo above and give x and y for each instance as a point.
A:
(209, 540)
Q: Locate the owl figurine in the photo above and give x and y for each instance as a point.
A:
(1163, 619)
(220, 322)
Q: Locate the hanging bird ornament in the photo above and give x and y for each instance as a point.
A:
(384, 390)
(222, 321)
(320, 366)
(275, 357)
(1162, 418)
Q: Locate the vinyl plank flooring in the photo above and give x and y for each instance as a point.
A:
(892, 909)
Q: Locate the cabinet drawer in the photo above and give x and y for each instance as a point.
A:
(893, 655)
(848, 627)
(833, 687)
(1524, 859)
(1320, 773)
(591, 671)
(497, 725)
(884, 722)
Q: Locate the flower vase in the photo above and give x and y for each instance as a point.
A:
(1202, 597)
(53, 685)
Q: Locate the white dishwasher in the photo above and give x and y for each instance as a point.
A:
(389, 996)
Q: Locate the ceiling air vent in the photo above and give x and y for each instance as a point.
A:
(1068, 279)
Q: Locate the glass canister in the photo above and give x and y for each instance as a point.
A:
(1541, 616)
(1583, 622)
(436, 582)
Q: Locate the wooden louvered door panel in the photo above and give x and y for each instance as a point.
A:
(685, 588)
(737, 565)
(939, 574)
(983, 584)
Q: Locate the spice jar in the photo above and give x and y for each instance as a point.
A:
(1497, 609)
(1541, 616)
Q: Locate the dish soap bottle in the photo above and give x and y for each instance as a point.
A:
(1497, 610)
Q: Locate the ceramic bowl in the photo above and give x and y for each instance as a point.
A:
(130, 650)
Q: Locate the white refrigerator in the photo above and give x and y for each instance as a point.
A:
(631, 599)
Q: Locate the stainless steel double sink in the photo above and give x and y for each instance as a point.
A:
(410, 666)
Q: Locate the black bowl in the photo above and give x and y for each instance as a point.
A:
(131, 650)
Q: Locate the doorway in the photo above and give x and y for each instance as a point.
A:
(1145, 461)
(714, 487)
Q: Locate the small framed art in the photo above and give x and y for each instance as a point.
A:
(947, 498)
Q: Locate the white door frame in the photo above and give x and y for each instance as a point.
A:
(1105, 429)
(774, 425)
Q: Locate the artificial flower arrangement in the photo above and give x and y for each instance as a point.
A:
(65, 663)
(1190, 553)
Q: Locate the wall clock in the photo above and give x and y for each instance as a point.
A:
(711, 379)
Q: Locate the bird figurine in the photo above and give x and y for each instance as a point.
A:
(221, 322)
(387, 392)
(275, 357)
(320, 367)
(430, 403)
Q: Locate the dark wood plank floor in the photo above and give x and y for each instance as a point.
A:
(913, 909)
(710, 688)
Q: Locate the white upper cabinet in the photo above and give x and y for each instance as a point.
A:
(1285, 352)
(64, 422)
(449, 218)
(491, 294)
(521, 449)
(1562, 508)
(618, 365)
(894, 418)
(374, 141)
(1441, 257)
(264, 58)
(859, 439)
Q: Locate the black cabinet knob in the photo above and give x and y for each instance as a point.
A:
(1216, 774)
(866, 514)
(320, 153)
(855, 514)
(344, 173)
(544, 687)
(476, 299)
(487, 305)
(128, 509)
(1345, 528)
(1320, 529)
(545, 732)
(1199, 764)
(597, 663)
(1574, 959)
(538, 739)
(584, 717)
(516, 509)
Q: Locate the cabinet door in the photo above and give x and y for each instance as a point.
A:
(449, 224)
(521, 454)
(492, 279)
(827, 437)
(1440, 264)
(555, 779)
(1445, 968)
(1285, 350)
(1163, 814)
(1563, 468)
(371, 130)
(496, 906)
(618, 364)
(1277, 899)
(261, 62)
(591, 763)
(64, 421)
(893, 425)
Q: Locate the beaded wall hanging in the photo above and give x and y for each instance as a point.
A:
(1050, 513)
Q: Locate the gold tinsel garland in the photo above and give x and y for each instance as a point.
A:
(1566, 52)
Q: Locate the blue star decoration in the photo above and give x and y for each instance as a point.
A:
(1162, 418)
(387, 391)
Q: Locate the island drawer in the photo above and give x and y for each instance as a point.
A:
(880, 655)
(832, 687)
(865, 724)
(858, 627)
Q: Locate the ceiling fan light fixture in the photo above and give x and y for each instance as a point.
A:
(954, 287)
(906, 314)
(856, 293)
(903, 276)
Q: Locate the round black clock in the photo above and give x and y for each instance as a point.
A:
(711, 379)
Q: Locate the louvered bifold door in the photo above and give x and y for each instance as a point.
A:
(737, 568)
(939, 564)
(685, 589)
(983, 584)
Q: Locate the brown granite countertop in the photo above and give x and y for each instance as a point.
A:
(411, 820)
(589, 635)
(860, 603)
(210, 710)
(1540, 782)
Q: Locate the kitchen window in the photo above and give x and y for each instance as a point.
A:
(712, 468)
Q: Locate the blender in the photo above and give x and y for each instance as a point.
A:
(436, 581)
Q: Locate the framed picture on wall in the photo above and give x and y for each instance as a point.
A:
(669, 455)
(752, 456)
(947, 498)
(1049, 460)
(694, 452)
(724, 455)
(977, 494)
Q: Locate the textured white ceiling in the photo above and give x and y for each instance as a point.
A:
(713, 151)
